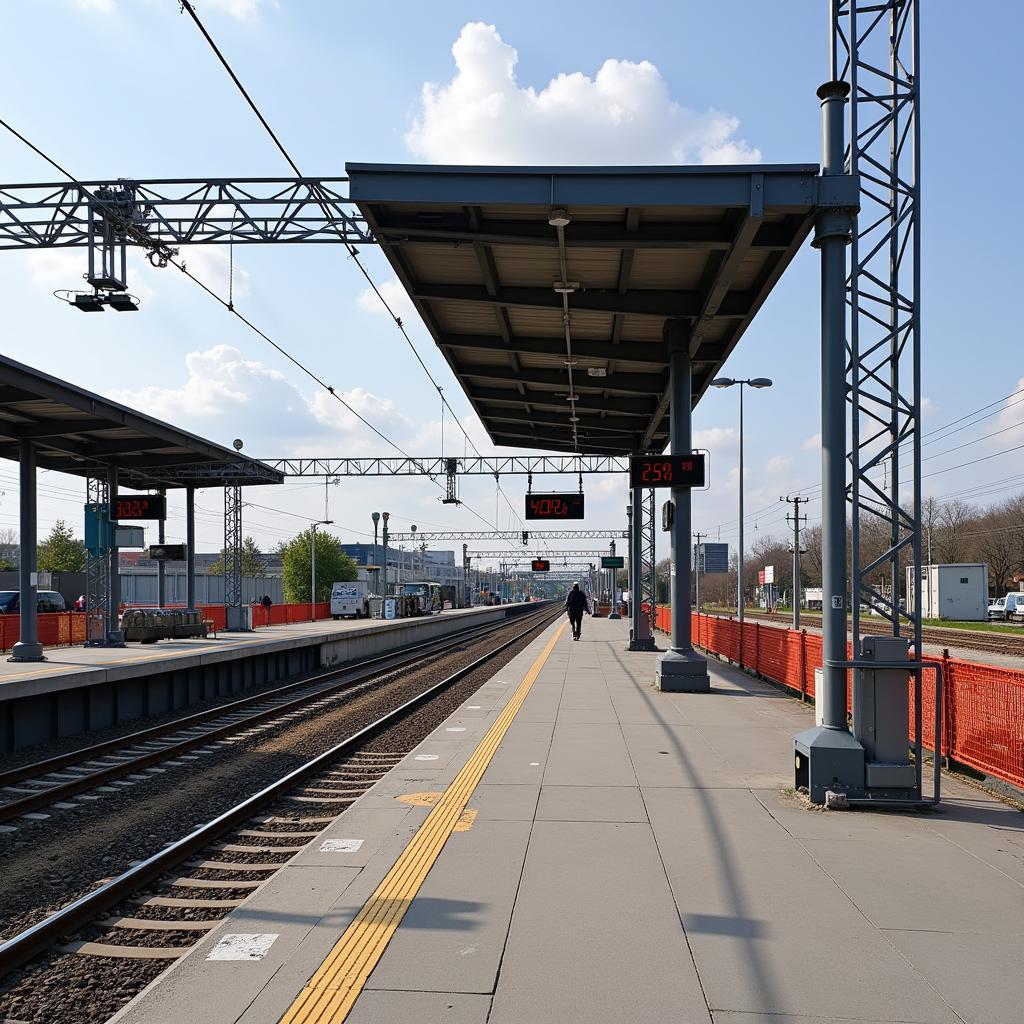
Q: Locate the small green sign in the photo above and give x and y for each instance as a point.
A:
(613, 562)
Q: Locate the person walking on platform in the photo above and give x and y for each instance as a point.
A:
(575, 606)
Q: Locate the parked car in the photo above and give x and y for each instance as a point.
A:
(1009, 607)
(46, 601)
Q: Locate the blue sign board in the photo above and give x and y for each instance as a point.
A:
(711, 558)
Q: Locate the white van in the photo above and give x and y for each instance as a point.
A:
(350, 600)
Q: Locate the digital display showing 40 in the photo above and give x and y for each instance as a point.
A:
(554, 506)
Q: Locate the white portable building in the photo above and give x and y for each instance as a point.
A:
(958, 591)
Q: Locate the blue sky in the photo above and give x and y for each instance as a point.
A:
(128, 88)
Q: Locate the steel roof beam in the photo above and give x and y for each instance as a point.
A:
(581, 347)
(557, 400)
(36, 428)
(647, 302)
(598, 424)
(628, 383)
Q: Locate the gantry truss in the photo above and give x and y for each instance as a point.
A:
(438, 466)
(875, 49)
(552, 556)
(516, 536)
(156, 214)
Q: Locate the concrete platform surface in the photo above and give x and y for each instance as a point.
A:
(623, 855)
(69, 667)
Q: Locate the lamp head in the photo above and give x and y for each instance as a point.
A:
(375, 516)
(760, 382)
(237, 444)
(558, 218)
(722, 382)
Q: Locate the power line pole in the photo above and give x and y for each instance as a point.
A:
(795, 519)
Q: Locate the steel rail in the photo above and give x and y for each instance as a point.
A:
(344, 678)
(22, 947)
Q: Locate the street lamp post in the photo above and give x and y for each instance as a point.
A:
(384, 537)
(312, 563)
(728, 382)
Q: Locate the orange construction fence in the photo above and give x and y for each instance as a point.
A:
(63, 629)
(983, 705)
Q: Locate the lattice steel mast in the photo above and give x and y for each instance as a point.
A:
(875, 49)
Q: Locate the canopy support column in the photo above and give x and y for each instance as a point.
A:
(681, 669)
(28, 647)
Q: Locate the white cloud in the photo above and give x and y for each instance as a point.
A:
(395, 296)
(212, 265)
(812, 444)
(220, 382)
(928, 407)
(714, 437)
(778, 464)
(1011, 420)
(624, 114)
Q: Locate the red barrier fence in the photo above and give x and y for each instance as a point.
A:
(983, 716)
(63, 629)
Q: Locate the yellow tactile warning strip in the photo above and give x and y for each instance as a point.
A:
(330, 994)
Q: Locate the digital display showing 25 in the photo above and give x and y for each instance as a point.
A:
(554, 506)
(667, 470)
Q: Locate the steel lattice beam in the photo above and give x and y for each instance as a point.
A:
(176, 212)
(437, 466)
(514, 536)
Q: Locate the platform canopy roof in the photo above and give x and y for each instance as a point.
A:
(75, 431)
(478, 251)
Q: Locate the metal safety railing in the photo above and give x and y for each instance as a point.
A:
(981, 718)
(66, 629)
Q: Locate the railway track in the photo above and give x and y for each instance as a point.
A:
(154, 911)
(134, 759)
(938, 636)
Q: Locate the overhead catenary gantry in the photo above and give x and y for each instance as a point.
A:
(438, 466)
(439, 536)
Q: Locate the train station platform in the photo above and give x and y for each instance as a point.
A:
(572, 845)
(78, 689)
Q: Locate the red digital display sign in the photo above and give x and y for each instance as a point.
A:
(540, 565)
(139, 506)
(667, 470)
(554, 506)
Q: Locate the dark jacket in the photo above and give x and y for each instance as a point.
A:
(576, 603)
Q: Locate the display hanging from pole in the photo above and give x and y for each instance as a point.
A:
(668, 470)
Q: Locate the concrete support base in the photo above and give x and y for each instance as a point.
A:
(682, 672)
(643, 643)
(27, 652)
(828, 759)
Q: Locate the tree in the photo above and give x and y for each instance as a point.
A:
(254, 562)
(61, 551)
(332, 565)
